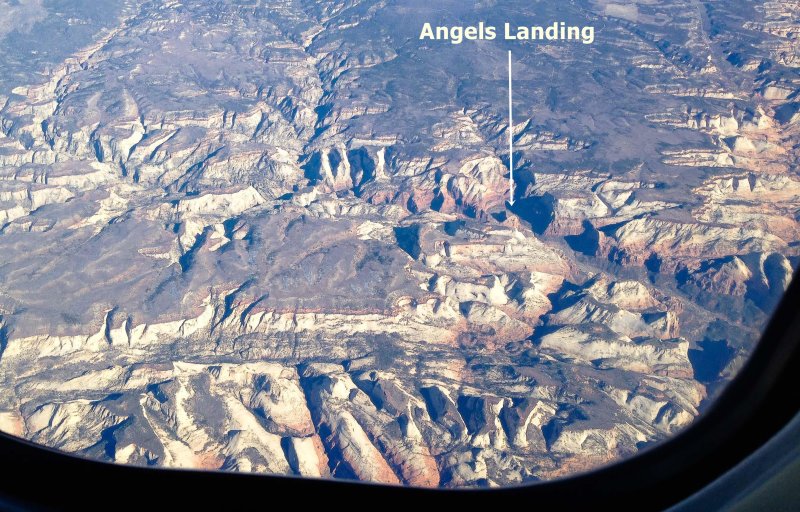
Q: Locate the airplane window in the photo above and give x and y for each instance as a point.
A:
(439, 244)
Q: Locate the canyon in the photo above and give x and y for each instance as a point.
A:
(275, 237)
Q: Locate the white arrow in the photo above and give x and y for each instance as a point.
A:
(510, 138)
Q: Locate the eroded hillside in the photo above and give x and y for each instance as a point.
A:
(274, 236)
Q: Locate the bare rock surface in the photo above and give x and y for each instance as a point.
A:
(275, 237)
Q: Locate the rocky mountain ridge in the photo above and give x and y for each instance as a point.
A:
(275, 238)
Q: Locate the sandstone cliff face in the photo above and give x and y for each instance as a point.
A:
(262, 239)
